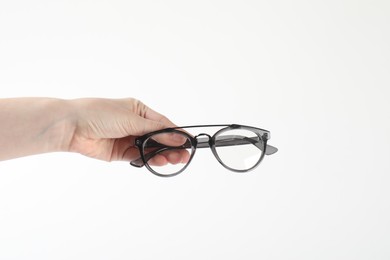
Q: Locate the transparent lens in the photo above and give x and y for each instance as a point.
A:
(167, 153)
(239, 149)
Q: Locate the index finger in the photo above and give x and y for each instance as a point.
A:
(155, 116)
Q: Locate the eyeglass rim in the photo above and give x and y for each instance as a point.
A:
(264, 138)
(146, 164)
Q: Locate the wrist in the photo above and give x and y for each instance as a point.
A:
(67, 124)
(35, 125)
(61, 125)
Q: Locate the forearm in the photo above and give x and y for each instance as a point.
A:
(34, 125)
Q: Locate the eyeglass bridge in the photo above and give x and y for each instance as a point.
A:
(203, 142)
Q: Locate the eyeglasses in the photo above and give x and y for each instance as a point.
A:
(169, 151)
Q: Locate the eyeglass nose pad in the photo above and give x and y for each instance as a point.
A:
(203, 142)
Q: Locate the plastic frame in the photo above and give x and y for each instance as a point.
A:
(203, 140)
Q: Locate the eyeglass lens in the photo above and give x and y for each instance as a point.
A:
(238, 149)
(170, 152)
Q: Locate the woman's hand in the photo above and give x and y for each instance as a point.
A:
(100, 128)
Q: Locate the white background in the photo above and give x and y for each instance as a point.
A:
(314, 73)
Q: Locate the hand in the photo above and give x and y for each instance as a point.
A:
(106, 129)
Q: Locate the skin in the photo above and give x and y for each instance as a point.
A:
(99, 128)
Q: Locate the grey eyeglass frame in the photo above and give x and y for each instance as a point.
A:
(196, 142)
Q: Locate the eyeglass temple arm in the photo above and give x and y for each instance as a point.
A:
(228, 140)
